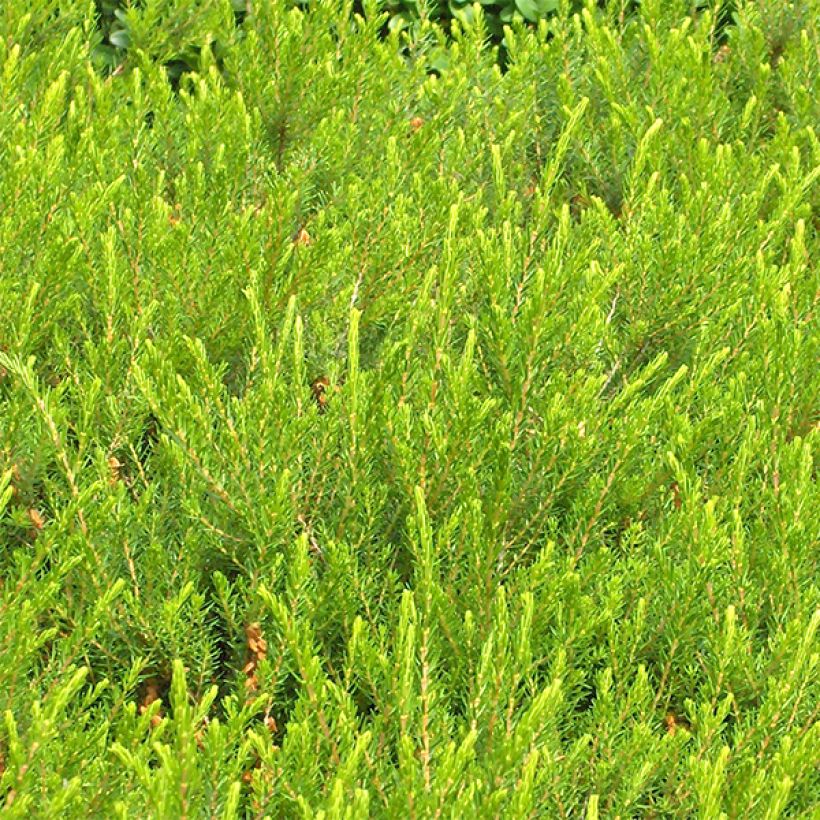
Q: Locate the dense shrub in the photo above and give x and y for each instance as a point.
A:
(375, 443)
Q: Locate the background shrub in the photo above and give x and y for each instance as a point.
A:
(176, 32)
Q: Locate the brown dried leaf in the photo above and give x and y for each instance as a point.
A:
(319, 389)
(676, 496)
(36, 519)
(302, 237)
(723, 54)
(247, 775)
(150, 696)
(114, 466)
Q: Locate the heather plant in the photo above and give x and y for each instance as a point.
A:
(377, 443)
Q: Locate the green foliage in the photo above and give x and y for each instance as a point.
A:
(376, 443)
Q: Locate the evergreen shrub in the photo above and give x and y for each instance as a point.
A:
(379, 443)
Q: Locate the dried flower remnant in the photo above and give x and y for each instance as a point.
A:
(258, 649)
(114, 467)
(256, 643)
(675, 723)
(199, 735)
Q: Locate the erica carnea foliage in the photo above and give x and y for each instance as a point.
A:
(383, 443)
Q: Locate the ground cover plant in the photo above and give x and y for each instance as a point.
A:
(385, 441)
